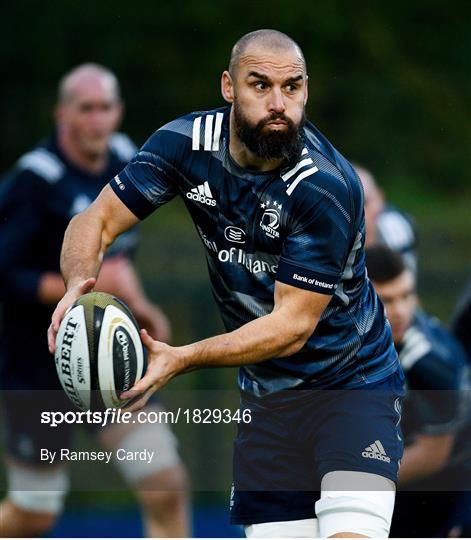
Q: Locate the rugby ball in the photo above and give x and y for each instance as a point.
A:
(99, 353)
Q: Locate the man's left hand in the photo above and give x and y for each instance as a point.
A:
(164, 363)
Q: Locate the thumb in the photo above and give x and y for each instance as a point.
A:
(88, 285)
(146, 338)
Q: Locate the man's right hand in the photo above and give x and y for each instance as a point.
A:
(69, 298)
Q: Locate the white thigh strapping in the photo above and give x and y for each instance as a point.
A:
(36, 490)
(355, 502)
(300, 528)
(156, 438)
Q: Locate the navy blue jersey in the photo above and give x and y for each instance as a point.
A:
(302, 224)
(437, 379)
(38, 197)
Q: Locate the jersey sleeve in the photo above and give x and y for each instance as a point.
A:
(149, 179)
(22, 198)
(315, 252)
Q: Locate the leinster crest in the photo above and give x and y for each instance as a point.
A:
(270, 221)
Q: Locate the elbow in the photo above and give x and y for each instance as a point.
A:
(298, 337)
(76, 221)
(299, 343)
(294, 348)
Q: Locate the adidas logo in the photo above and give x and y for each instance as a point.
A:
(202, 194)
(376, 451)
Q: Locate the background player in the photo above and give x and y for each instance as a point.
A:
(280, 213)
(47, 186)
(461, 320)
(436, 420)
(386, 224)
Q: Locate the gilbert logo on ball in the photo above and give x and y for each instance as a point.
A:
(99, 353)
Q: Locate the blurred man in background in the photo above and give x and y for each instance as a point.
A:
(47, 186)
(461, 321)
(385, 224)
(461, 327)
(436, 423)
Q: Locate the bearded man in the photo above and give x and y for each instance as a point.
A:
(280, 213)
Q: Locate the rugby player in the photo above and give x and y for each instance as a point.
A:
(435, 474)
(460, 325)
(47, 186)
(386, 224)
(280, 213)
(461, 320)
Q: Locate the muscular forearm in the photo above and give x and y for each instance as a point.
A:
(89, 235)
(83, 248)
(281, 333)
(273, 335)
(85, 241)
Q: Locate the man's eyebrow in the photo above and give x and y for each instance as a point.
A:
(295, 79)
(265, 78)
(258, 75)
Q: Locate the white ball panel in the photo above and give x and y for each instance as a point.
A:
(73, 359)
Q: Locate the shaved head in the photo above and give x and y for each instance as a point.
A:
(266, 85)
(267, 39)
(71, 82)
(88, 111)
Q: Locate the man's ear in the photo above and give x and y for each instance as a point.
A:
(306, 91)
(227, 87)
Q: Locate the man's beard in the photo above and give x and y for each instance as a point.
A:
(283, 144)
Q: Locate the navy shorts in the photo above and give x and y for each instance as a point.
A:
(293, 440)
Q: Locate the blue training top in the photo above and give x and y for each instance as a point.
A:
(302, 224)
(438, 383)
